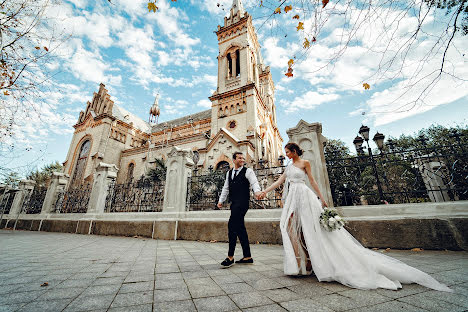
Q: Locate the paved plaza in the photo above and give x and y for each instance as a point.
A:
(99, 273)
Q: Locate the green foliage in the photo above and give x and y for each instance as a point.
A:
(12, 179)
(42, 176)
(158, 173)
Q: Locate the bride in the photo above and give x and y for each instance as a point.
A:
(332, 256)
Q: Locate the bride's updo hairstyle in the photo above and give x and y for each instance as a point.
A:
(293, 147)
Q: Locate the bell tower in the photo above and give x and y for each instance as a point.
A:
(243, 102)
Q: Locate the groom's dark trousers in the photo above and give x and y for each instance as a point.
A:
(239, 194)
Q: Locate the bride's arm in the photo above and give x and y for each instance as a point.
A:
(313, 183)
(276, 184)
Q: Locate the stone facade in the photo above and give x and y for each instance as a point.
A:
(242, 118)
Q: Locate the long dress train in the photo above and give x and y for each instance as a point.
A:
(337, 255)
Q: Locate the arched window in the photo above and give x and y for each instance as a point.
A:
(229, 65)
(237, 63)
(222, 166)
(80, 166)
(131, 167)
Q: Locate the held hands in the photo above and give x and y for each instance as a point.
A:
(219, 205)
(260, 195)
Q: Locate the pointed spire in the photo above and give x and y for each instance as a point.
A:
(237, 7)
(154, 110)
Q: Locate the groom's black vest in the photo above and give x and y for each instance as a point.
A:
(239, 188)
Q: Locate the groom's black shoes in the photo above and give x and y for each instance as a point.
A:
(227, 263)
(245, 261)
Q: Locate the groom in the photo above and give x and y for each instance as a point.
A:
(238, 182)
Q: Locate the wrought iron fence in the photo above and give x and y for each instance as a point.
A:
(74, 200)
(32, 204)
(140, 196)
(204, 189)
(436, 174)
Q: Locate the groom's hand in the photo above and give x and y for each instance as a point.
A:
(220, 205)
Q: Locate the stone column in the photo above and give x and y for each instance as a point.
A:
(58, 183)
(26, 187)
(179, 168)
(310, 139)
(234, 60)
(105, 174)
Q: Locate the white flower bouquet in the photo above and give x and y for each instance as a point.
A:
(330, 220)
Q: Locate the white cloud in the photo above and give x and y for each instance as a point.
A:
(309, 100)
(204, 103)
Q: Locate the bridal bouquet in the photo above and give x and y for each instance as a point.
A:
(330, 220)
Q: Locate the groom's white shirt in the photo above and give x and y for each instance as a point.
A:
(249, 174)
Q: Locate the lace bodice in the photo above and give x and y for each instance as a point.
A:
(295, 174)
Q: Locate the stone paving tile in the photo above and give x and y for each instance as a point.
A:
(20, 297)
(265, 308)
(136, 308)
(281, 294)
(48, 305)
(173, 294)
(390, 306)
(95, 272)
(76, 283)
(89, 303)
(61, 293)
(407, 290)
(131, 299)
(235, 288)
(136, 287)
(250, 299)
(302, 305)
(264, 284)
(175, 306)
(430, 303)
(215, 304)
(108, 281)
(95, 290)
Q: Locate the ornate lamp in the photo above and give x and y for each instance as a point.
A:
(379, 140)
(358, 143)
(364, 132)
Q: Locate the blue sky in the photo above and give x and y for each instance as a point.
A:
(137, 54)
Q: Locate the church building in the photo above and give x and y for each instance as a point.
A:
(242, 118)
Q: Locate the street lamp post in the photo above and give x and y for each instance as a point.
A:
(379, 141)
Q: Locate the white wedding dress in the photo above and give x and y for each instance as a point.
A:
(337, 255)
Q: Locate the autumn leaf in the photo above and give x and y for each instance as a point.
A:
(45, 48)
(324, 3)
(306, 43)
(6, 92)
(45, 284)
(290, 62)
(366, 86)
(300, 26)
(287, 8)
(289, 73)
(152, 7)
(313, 39)
(278, 10)
(417, 249)
(296, 16)
(37, 48)
(174, 0)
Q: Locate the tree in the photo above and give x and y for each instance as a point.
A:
(157, 174)
(28, 40)
(42, 176)
(12, 179)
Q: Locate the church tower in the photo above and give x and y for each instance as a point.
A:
(243, 102)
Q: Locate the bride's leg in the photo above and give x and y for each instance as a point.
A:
(304, 247)
(294, 240)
